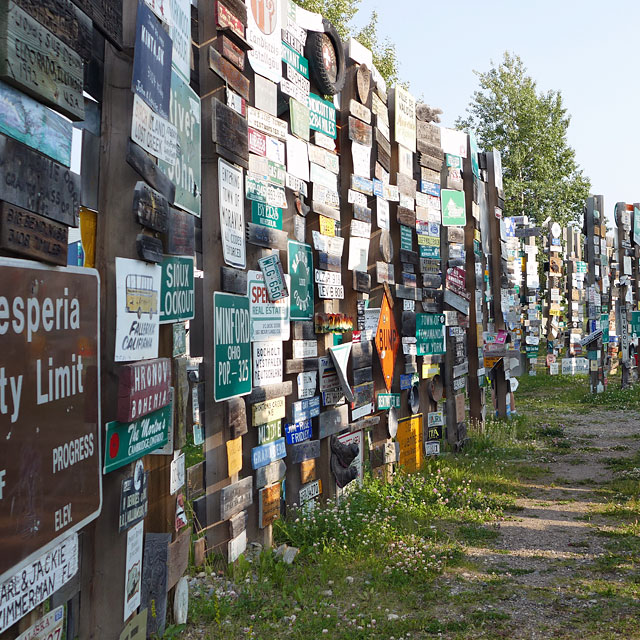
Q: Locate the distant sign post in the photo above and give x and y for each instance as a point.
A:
(50, 477)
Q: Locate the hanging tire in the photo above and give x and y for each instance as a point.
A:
(329, 81)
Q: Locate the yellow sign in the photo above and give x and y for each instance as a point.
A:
(410, 439)
(234, 455)
(327, 226)
(430, 370)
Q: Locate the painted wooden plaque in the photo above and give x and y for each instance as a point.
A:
(236, 497)
(269, 504)
(143, 387)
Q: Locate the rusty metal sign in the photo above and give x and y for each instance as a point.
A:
(50, 476)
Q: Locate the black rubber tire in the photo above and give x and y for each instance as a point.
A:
(313, 53)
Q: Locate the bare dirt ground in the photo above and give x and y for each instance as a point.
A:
(551, 572)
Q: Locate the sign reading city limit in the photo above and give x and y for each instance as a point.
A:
(50, 476)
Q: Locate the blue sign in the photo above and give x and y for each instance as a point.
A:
(298, 431)
(407, 380)
(152, 61)
(430, 188)
(267, 453)
(305, 409)
(378, 189)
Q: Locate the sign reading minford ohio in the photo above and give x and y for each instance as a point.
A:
(50, 476)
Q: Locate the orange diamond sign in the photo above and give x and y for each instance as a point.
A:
(387, 342)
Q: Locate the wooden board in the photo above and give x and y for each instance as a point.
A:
(150, 207)
(154, 580)
(38, 184)
(298, 365)
(32, 236)
(58, 80)
(181, 236)
(229, 129)
(361, 355)
(236, 417)
(333, 421)
(148, 169)
(233, 280)
(178, 557)
(360, 132)
(106, 15)
(268, 504)
(195, 480)
(236, 497)
(238, 524)
(267, 237)
(229, 73)
(361, 282)
(269, 392)
(273, 472)
(307, 471)
(231, 51)
(303, 451)
(149, 248)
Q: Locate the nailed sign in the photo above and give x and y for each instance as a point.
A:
(410, 438)
(39, 63)
(134, 501)
(387, 341)
(405, 118)
(453, 208)
(152, 132)
(231, 203)
(263, 34)
(152, 61)
(430, 334)
(301, 274)
(269, 320)
(129, 441)
(49, 417)
(143, 388)
(177, 298)
(232, 346)
(322, 116)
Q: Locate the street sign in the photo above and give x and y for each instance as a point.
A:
(430, 334)
(50, 476)
(387, 341)
(301, 274)
(231, 346)
(453, 208)
(177, 298)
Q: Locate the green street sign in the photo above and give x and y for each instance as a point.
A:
(299, 119)
(636, 225)
(266, 215)
(455, 162)
(604, 325)
(454, 213)
(388, 400)
(429, 252)
(129, 441)
(322, 116)
(293, 58)
(430, 334)
(177, 299)
(473, 146)
(231, 346)
(185, 172)
(406, 238)
(301, 273)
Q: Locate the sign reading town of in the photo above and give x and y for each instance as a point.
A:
(50, 477)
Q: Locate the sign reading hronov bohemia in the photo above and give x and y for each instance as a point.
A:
(50, 480)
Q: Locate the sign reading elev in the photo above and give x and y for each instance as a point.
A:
(50, 480)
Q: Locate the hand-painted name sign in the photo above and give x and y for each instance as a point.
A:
(129, 441)
(265, 454)
(298, 431)
(305, 409)
(133, 499)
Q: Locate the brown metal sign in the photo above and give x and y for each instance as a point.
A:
(143, 388)
(50, 476)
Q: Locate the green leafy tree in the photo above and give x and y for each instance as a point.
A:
(529, 128)
(341, 13)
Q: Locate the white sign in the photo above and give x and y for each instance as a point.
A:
(358, 254)
(237, 547)
(265, 122)
(181, 36)
(360, 229)
(231, 204)
(269, 320)
(293, 90)
(435, 419)
(329, 244)
(297, 158)
(328, 375)
(133, 569)
(305, 349)
(382, 213)
(307, 382)
(455, 142)
(47, 628)
(263, 34)
(309, 491)
(177, 472)
(361, 159)
(33, 584)
(405, 119)
(431, 448)
(324, 177)
(152, 132)
(331, 291)
(328, 277)
(137, 310)
(267, 363)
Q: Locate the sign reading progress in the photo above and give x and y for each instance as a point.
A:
(231, 346)
(50, 476)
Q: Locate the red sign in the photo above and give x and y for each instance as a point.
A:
(143, 388)
(224, 18)
(50, 475)
(257, 142)
(387, 341)
(457, 282)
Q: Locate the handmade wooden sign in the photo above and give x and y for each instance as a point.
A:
(333, 421)
(31, 235)
(180, 235)
(229, 129)
(236, 497)
(268, 504)
(149, 170)
(143, 388)
(150, 207)
(267, 411)
(37, 183)
(273, 472)
(149, 248)
(24, 43)
(265, 454)
(229, 73)
(154, 579)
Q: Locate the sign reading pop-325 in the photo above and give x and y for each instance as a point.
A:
(231, 346)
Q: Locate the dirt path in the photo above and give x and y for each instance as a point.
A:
(550, 566)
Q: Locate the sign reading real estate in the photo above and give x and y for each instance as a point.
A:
(50, 480)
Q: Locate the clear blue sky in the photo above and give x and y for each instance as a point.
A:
(588, 50)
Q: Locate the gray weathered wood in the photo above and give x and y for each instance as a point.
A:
(236, 417)
(269, 392)
(307, 450)
(298, 365)
(273, 472)
(233, 280)
(266, 237)
(361, 281)
(303, 330)
(406, 217)
(142, 162)
(237, 524)
(408, 293)
(155, 580)
(361, 355)
(148, 248)
(409, 257)
(333, 421)
(150, 207)
(365, 374)
(236, 497)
